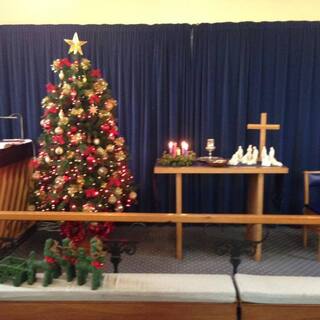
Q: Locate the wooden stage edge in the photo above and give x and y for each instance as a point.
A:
(220, 218)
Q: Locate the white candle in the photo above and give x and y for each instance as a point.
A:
(178, 151)
(170, 146)
(184, 148)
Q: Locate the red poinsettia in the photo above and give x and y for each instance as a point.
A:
(65, 62)
(51, 87)
(58, 139)
(94, 99)
(113, 181)
(96, 73)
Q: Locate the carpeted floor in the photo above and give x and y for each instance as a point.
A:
(283, 253)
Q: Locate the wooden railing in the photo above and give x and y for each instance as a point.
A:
(218, 218)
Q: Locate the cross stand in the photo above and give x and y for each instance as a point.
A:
(263, 126)
(118, 246)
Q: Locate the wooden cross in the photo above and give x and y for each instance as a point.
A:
(263, 127)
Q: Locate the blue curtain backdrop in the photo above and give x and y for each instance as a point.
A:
(186, 82)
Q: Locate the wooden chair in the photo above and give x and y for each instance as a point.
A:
(311, 203)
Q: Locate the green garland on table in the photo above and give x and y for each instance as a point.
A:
(177, 161)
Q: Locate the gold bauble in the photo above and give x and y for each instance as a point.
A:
(102, 171)
(119, 141)
(104, 114)
(118, 191)
(133, 195)
(104, 185)
(110, 148)
(120, 156)
(110, 104)
(88, 93)
(70, 154)
(85, 64)
(74, 67)
(80, 180)
(96, 141)
(63, 121)
(73, 189)
(76, 138)
(100, 85)
(101, 152)
(112, 199)
(84, 79)
(77, 111)
(58, 150)
(119, 208)
(58, 130)
(66, 89)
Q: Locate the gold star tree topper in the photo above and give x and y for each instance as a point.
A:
(75, 44)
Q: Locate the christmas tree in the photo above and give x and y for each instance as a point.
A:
(82, 162)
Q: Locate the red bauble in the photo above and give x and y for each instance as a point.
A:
(91, 160)
(73, 129)
(105, 127)
(34, 163)
(91, 193)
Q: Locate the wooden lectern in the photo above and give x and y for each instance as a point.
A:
(14, 183)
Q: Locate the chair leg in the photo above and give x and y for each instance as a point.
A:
(305, 236)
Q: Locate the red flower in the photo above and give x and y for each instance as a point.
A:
(96, 73)
(50, 87)
(65, 62)
(49, 259)
(94, 99)
(114, 182)
(97, 264)
(53, 110)
(58, 139)
(91, 193)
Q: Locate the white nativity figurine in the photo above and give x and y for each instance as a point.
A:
(236, 157)
(248, 156)
(254, 156)
(272, 158)
(265, 162)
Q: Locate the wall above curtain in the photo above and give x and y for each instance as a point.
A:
(186, 81)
